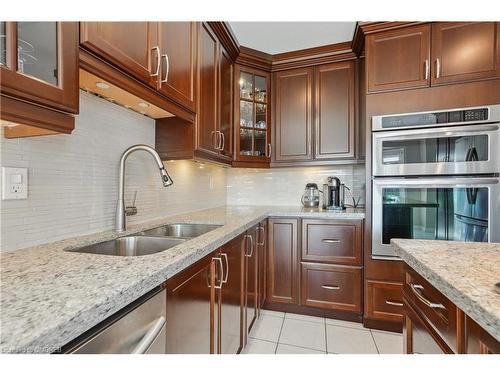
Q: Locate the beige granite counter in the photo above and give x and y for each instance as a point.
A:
(465, 272)
(49, 296)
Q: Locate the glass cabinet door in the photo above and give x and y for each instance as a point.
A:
(253, 119)
(37, 50)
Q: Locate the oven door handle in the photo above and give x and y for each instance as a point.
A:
(437, 182)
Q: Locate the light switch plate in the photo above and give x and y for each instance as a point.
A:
(14, 183)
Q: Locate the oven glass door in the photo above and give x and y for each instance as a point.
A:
(459, 150)
(433, 209)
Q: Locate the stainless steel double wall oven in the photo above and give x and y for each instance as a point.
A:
(436, 176)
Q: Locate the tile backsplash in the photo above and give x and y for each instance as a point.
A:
(284, 186)
(73, 179)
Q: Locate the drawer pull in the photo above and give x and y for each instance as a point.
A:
(330, 287)
(393, 303)
(415, 289)
(330, 240)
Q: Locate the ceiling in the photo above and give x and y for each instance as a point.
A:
(279, 37)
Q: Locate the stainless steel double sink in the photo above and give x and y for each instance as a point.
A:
(150, 241)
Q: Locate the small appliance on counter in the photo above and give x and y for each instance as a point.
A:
(334, 194)
(310, 197)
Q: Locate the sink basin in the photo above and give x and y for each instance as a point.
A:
(131, 246)
(181, 230)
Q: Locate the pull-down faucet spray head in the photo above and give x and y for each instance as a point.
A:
(165, 177)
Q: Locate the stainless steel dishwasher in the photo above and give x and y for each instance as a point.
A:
(137, 329)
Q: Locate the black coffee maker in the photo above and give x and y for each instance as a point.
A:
(333, 194)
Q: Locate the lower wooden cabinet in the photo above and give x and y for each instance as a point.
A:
(331, 286)
(478, 340)
(282, 262)
(251, 272)
(262, 263)
(384, 300)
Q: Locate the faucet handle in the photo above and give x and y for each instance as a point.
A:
(132, 210)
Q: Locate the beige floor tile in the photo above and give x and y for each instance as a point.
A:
(345, 323)
(388, 343)
(267, 328)
(344, 340)
(304, 334)
(255, 346)
(315, 319)
(272, 313)
(290, 349)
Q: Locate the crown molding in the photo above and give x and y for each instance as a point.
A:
(226, 36)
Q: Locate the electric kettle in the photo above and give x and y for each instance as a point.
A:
(310, 197)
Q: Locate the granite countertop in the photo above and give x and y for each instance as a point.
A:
(49, 296)
(465, 272)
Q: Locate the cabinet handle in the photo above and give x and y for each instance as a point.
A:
(221, 273)
(438, 68)
(331, 287)
(330, 240)
(263, 232)
(393, 303)
(269, 150)
(157, 72)
(223, 141)
(167, 70)
(219, 143)
(249, 237)
(415, 289)
(227, 268)
(426, 69)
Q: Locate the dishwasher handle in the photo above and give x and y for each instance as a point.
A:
(149, 336)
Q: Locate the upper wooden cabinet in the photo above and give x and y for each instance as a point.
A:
(323, 96)
(225, 103)
(334, 111)
(39, 67)
(432, 54)
(252, 123)
(160, 54)
(464, 51)
(177, 42)
(398, 58)
(293, 114)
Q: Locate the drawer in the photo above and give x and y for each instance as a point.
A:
(331, 287)
(332, 241)
(384, 300)
(434, 307)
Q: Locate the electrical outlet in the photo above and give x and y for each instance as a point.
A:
(14, 183)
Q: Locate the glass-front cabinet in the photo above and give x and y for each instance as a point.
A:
(39, 63)
(252, 116)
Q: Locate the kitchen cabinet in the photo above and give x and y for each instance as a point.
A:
(262, 264)
(293, 115)
(191, 308)
(230, 297)
(177, 42)
(315, 114)
(464, 51)
(39, 75)
(334, 111)
(225, 103)
(282, 261)
(478, 340)
(252, 117)
(162, 55)
(384, 300)
(434, 54)
(398, 59)
(251, 272)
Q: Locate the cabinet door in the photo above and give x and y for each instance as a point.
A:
(398, 59)
(231, 297)
(226, 103)
(293, 114)
(464, 51)
(282, 270)
(262, 253)
(177, 41)
(207, 103)
(334, 111)
(384, 300)
(251, 293)
(478, 340)
(39, 63)
(131, 46)
(191, 309)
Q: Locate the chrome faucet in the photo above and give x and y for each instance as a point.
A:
(165, 178)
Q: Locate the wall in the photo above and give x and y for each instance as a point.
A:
(284, 186)
(73, 178)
